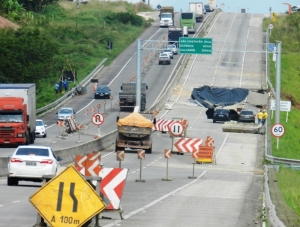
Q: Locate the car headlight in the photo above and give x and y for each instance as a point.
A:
(20, 135)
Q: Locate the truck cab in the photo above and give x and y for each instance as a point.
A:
(166, 16)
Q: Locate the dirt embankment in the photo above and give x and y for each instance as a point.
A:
(4, 23)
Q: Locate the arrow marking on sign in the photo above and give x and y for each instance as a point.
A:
(81, 161)
(91, 169)
(112, 180)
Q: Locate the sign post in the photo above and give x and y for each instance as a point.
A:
(194, 156)
(98, 120)
(98, 106)
(167, 154)
(278, 131)
(104, 102)
(111, 98)
(141, 156)
(120, 157)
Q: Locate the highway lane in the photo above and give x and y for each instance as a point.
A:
(226, 194)
(120, 71)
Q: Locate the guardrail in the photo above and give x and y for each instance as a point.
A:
(68, 95)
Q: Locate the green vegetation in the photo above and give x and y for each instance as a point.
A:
(64, 37)
(286, 30)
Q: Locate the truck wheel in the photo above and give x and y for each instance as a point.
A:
(149, 151)
(26, 139)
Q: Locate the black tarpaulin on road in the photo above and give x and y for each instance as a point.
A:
(212, 96)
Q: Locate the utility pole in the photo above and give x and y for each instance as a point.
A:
(278, 81)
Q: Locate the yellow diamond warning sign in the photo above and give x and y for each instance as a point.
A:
(67, 200)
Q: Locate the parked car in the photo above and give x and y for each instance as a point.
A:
(246, 116)
(208, 8)
(173, 48)
(102, 91)
(204, 10)
(221, 115)
(40, 128)
(164, 59)
(65, 113)
(30, 163)
(169, 52)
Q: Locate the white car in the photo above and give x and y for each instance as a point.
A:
(40, 128)
(173, 47)
(65, 113)
(169, 52)
(31, 163)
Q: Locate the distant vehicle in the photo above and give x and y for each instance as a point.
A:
(166, 15)
(127, 98)
(208, 8)
(18, 110)
(31, 163)
(246, 116)
(164, 59)
(295, 9)
(188, 19)
(212, 4)
(225, 115)
(169, 52)
(197, 7)
(102, 91)
(40, 128)
(65, 113)
(204, 10)
(173, 48)
(174, 34)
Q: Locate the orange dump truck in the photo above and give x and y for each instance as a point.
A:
(134, 132)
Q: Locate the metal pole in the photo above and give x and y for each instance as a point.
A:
(138, 73)
(278, 81)
(193, 177)
(120, 164)
(267, 56)
(98, 130)
(140, 169)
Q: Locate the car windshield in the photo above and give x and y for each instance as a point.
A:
(65, 111)
(219, 111)
(11, 117)
(39, 123)
(163, 16)
(247, 112)
(33, 151)
(171, 46)
(102, 89)
(169, 51)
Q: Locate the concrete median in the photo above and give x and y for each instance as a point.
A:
(234, 126)
(69, 154)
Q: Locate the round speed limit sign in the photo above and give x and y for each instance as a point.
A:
(278, 130)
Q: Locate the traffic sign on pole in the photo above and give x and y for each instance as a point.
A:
(98, 118)
(176, 128)
(62, 202)
(195, 45)
(278, 130)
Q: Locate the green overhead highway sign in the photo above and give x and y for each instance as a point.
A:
(195, 45)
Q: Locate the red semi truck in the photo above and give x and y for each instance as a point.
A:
(17, 114)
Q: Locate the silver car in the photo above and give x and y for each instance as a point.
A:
(173, 48)
(65, 113)
(169, 52)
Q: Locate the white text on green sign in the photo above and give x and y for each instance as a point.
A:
(195, 45)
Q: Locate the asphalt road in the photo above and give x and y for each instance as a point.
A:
(226, 194)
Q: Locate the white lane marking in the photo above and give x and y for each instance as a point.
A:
(244, 54)
(224, 141)
(142, 209)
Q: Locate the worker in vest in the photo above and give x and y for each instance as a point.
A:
(259, 117)
(264, 117)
